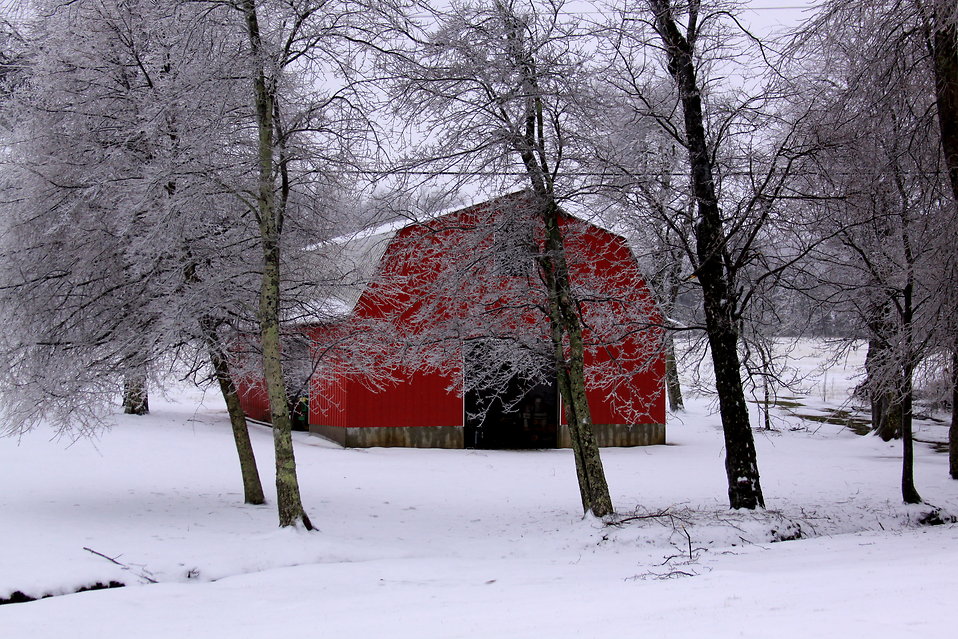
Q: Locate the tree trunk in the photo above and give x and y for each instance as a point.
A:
(672, 385)
(252, 486)
(565, 323)
(953, 430)
(565, 392)
(944, 40)
(909, 493)
(887, 415)
(876, 400)
(288, 499)
(136, 399)
(270, 218)
(741, 466)
(882, 383)
(666, 288)
(767, 402)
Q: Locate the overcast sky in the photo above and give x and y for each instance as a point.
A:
(766, 16)
(763, 15)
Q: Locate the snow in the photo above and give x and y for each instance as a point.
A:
(441, 543)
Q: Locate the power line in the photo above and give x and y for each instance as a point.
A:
(593, 10)
(611, 176)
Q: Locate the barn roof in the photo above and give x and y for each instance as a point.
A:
(359, 255)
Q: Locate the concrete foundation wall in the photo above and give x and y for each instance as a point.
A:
(452, 436)
(393, 436)
(620, 435)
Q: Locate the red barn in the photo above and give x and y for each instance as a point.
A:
(445, 340)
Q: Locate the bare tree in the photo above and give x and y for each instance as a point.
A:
(719, 296)
(735, 179)
(648, 201)
(941, 25)
(500, 84)
(270, 209)
(889, 163)
(309, 122)
(118, 249)
(883, 265)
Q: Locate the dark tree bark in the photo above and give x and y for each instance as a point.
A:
(566, 323)
(883, 393)
(744, 488)
(953, 429)
(944, 41)
(252, 486)
(944, 44)
(136, 398)
(887, 415)
(672, 385)
(269, 214)
(908, 491)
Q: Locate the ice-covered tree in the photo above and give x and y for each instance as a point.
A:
(308, 121)
(501, 88)
(887, 108)
(120, 253)
(666, 63)
(645, 196)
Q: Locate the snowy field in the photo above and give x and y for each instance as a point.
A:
(478, 544)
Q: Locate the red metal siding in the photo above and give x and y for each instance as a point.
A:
(625, 366)
(418, 400)
(636, 398)
(327, 402)
(254, 399)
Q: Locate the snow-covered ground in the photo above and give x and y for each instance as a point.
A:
(440, 543)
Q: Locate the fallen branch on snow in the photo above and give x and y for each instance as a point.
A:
(141, 573)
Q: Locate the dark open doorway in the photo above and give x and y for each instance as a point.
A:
(521, 415)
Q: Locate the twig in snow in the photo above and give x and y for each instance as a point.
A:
(139, 574)
(624, 520)
(665, 513)
(676, 573)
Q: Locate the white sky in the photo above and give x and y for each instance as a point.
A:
(764, 16)
(771, 16)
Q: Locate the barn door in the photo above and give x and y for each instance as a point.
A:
(504, 409)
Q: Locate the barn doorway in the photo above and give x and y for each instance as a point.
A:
(519, 414)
